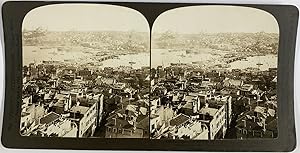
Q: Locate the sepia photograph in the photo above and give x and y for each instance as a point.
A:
(89, 71)
(214, 74)
(140, 76)
(86, 72)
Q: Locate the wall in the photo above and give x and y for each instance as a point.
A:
(218, 122)
(88, 120)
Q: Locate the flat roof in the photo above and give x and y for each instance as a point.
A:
(208, 110)
(81, 109)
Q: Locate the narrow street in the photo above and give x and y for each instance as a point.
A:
(231, 132)
(100, 130)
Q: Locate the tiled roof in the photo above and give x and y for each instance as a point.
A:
(180, 119)
(49, 118)
(272, 126)
(188, 105)
(143, 124)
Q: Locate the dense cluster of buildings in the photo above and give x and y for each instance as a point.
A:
(182, 101)
(192, 103)
(61, 100)
(260, 42)
(107, 40)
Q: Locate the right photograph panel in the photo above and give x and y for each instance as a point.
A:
(214, 74)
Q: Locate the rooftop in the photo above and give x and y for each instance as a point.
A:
(60, 96)
(188, 105)
(189, 98)
(180, 119)
(250, 125)
(119, 123)
(80, 109)
(272, 125)
(49, 118)
(208, 110)
(144, 123)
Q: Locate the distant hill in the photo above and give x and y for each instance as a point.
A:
(250, 42)
(138, 41)
(107, 40)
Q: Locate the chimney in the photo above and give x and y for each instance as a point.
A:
(258, 97)
(245, 123)
(125, 117)
(206, 105)
(115, 121)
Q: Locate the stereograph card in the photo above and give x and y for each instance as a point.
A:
(149, 76)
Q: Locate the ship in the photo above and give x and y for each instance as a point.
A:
(188, 51)
(45, 47)
(182, 55)
(172, 50)
(53, 53)
(132, 62)
(197, 62)
(59, 49)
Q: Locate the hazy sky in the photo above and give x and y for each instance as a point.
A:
(85, 17)
(213, 19)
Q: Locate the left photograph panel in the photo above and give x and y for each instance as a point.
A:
(85, 72)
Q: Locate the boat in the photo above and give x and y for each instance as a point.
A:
(132, 62)
(259, 64)
(87, 52)
(188, 51)
(226, 66)
(197, 62)
(244, 59)
(45, 47)
(172, 50)
(182, 55)
(59, 49)
(53, 53)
